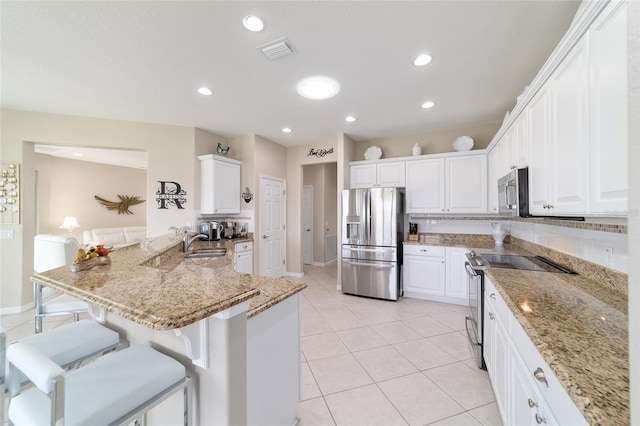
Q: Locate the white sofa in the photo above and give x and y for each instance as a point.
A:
(117, 237)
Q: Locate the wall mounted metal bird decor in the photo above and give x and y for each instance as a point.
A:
(122, 206)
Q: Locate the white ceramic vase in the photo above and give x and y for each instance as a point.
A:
(499, 232)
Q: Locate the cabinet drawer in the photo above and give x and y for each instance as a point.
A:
(497, 303)
(246, 246)
(421, 250)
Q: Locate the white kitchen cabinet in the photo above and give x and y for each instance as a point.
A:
(425, 188)
(519, 144)
(568, 136)
(423, 271)
(538, 117)
(243, 261)
(219, 185)
(527, 392)
(493, 160)
(466, 184)
(456, 184)
(456, 276)
(608, 124)
(387, 174)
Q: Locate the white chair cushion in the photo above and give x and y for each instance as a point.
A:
(69, 343)
(108, 236)
(40, 369)
(103, 391)
(64, 304)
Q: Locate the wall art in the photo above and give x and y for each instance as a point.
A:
(321, 152)
(122, 206)
(170, 194)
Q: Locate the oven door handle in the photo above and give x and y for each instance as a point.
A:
(471, 340)
(470, 271)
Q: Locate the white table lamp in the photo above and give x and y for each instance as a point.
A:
(70, 223)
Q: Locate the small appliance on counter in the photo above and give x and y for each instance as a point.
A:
(212, 229)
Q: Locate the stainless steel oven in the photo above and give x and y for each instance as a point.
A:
(474, 325)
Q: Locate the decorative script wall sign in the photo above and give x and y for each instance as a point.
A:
(319, 152)
(170, 194)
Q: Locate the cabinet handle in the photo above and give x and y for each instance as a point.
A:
(514, 167)
(491, 316)
(532, 403)
(493, 296)
(550, 206)
(540, 419)
(423, 250)
(540, 376)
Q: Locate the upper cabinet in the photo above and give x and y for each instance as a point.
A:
(219, 185)
(608, 123)
(383, 174)
(572, 134)
(456, 184)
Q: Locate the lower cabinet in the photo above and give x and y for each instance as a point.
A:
(435, 273)
(243, 261)
(527, 392)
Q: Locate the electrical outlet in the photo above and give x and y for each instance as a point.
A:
(6, 234)
(608, 254)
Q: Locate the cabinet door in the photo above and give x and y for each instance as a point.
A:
(219, 185)
(391, 174)
(609, 138)
(244, 262)
(425, 186)
(569, 135)
(538, 117)
(226, 193)
(520, 142)
(466, 184)
(456, 277)
(423, 275)
(525, 400)
(492, 190)
(363, 176)
(500, 362)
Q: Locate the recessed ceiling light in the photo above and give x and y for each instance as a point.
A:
(422, 60)
(286, 130)
(205, 91)
(253, 23)
(428, 104)
(350, 119)
(318, 87)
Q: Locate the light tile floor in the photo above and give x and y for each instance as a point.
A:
(371, 362)
(375, 362)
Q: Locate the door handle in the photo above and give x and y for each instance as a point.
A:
(264, 237)
(307, 230)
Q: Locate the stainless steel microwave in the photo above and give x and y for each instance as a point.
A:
(513, 193)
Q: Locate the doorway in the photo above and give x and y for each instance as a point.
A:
(307, 225)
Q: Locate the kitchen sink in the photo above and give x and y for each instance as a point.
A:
(216, 252)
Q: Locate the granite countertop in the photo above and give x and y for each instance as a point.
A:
(578, 323)
(162, 290)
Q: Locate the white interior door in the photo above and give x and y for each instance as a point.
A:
(272, 232)
(307, 225)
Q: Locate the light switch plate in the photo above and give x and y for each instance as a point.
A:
(6, 234)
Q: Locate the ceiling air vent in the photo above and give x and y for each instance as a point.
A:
(277, 49)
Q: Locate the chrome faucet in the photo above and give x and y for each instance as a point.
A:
(189, 238)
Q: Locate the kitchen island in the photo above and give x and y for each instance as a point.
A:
(238, 334)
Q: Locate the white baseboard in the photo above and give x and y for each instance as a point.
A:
(294, 274)
(329, 262)
(16, 309)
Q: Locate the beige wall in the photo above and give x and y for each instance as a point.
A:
(296, 158)
(331, 199)
(67, 187)
(431, 143)
(169, 149)
(323, 179)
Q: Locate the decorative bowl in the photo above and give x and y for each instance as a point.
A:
(463, 143)
(373, 153)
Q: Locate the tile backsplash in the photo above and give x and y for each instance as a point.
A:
(608, 249)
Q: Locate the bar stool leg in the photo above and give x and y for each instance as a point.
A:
(37, 290)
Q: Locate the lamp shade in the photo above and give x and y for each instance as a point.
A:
(70, 223)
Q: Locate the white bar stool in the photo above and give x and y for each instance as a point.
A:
(115, 389)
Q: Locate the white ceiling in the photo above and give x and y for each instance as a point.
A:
(144, 60)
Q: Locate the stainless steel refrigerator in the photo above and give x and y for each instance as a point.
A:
(372, 232)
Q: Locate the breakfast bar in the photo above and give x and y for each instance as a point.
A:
(237, 334)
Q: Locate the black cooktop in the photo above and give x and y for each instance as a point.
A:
(528, 263)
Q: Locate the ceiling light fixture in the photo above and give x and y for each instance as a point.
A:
(428, 104)
(318, 87)
(286, 130)
(253, 23)
(205, 91)
(422, 60)
(77, 154)
(350, 119)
